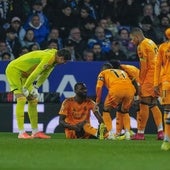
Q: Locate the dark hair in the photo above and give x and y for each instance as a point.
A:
(79, 84)
(115, 63)
(64, 53)
(107, 66)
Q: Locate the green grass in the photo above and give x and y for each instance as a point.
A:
(59, 153)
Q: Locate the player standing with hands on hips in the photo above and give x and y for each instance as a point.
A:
(25, 75)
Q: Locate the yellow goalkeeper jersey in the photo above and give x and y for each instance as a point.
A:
(35, 66)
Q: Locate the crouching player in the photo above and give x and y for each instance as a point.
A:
(120, 92)
(75, 115)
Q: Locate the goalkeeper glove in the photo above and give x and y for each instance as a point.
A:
(34, 92)
(25, 92)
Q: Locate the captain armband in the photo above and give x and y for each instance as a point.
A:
(100, 78)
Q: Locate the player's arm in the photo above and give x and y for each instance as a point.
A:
(44, 75)
(63, 123)
(98, 114)
(143, 70)
(99, 86)
(157, 72)
(37, 72)
(136, 85)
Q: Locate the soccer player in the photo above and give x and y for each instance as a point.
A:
(25, 75)
(75, 115)
(133, 73)
(162, 85)
(120, 92)
(147, 52)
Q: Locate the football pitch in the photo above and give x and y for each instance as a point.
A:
(59, 153)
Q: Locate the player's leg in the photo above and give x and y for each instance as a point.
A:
(142, 118)
(166, 103)
(33, 116)
(126, 104)
(119, 122)
(157, 115)
(15, 82)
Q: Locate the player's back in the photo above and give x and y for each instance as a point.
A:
(32, 59)
(147, 52)
(115, 77)
(132, 71)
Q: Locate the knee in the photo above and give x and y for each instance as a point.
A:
(21, 99)
(33, 102)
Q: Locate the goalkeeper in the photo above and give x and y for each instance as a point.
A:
(25, 75)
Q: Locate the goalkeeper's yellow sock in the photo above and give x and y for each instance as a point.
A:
(20, 113)
(157, 115)
(33, 114)
(119, 122)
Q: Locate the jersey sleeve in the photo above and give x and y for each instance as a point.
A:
(64, 107)
(99, 86)
(41, 72)
(158, 67)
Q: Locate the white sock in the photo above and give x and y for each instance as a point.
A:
(21, 131)
(34, 131)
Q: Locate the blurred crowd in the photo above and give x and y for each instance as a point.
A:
(93, 30)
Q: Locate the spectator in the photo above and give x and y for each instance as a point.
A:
(34, 47)
(97, 50)
(115, 52)
(126, 44)
(65, 21)
(84, 16)
(91, 5)
(79, 43)
(108, 8)
(88, 29)
(6, 56)
(149, 30)
(164, 9)
(88, 55)
(29, 38)
(52, 44)
(53, 35)
(149, 11)
(104, 24)
(12, 43)
(112, 25)
(69, 45)
(3, 47)
(16, 24)
(40, 30)
(23, 50)
(100, 38)
(4, 12)
(160, 30)
(37, 9)
(128, 11)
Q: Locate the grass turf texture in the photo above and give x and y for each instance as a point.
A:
(59, 153)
